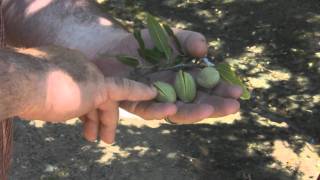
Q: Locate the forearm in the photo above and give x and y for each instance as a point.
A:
(21, 78)
(75, 24)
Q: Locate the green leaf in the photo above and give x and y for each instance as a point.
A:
(128, 60)
(159, 36)
(230, 76)
(179, 59)
(174, 37)
(153, 56)
(137, 35)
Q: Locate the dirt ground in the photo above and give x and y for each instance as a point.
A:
(274, 44)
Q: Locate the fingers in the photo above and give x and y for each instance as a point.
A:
(150, 110)
(119, 89)
(226, 90)
(225, 107)
(222, 106)
(191, 113)
(91, 126)
(193, 43)
(205, 106)
(109, 116)
(102, 121)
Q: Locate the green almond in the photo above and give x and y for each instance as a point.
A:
(185, 86)
(166, 92)
(208, 77)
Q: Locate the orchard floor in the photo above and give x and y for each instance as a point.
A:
(274, 44)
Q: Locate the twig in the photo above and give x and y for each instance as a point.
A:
(173, 68)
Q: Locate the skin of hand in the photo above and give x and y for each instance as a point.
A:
(74, 87)
(222, 102)
(47, 22)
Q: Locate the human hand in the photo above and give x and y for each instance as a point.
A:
(74, 87)
(222, 101)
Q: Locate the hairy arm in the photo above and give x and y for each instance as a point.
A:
(76, 24)
(56, 84)
(49, 83)
(21, 77)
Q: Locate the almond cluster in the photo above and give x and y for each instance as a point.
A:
(185, 85)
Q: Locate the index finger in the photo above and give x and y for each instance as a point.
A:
(120, 89)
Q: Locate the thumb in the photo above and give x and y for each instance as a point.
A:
(193, 43)
(120, 89)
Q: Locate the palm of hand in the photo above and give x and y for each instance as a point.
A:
(222, 101)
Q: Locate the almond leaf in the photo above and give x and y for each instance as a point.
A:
(153, 56)
(230, 76)
(137, 35)
(174, 37)
(159, 36)
(128, 60)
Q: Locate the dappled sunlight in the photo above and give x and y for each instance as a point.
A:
(210, 16)
(307, 161)
(37, 123)
(256, 66)
(36, 6)
(180, 25)
(140, 150)
(203, 150)
(129, 119)
(230, 119)
(310, 101)
(216, 44)
(315, 18)
(110, 152)
(101, 1)
(35, 52)
(255, 49)
(263, 80)
(41, 123)
(141, 15)
(263, 121)
(104, 22)
(187, 3)
(165, 131)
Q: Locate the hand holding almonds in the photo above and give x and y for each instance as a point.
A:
(185, 86)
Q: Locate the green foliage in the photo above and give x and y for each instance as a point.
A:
(159, 36)
(174, 37)
(128, 60)
(230, 76)
(137, 35)
(153, 56)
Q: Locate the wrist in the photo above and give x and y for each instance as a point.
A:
(22, 83)
(69, 80)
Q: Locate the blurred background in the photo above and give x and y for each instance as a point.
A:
(273, 44)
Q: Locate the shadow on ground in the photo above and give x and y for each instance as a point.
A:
(221, 151)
